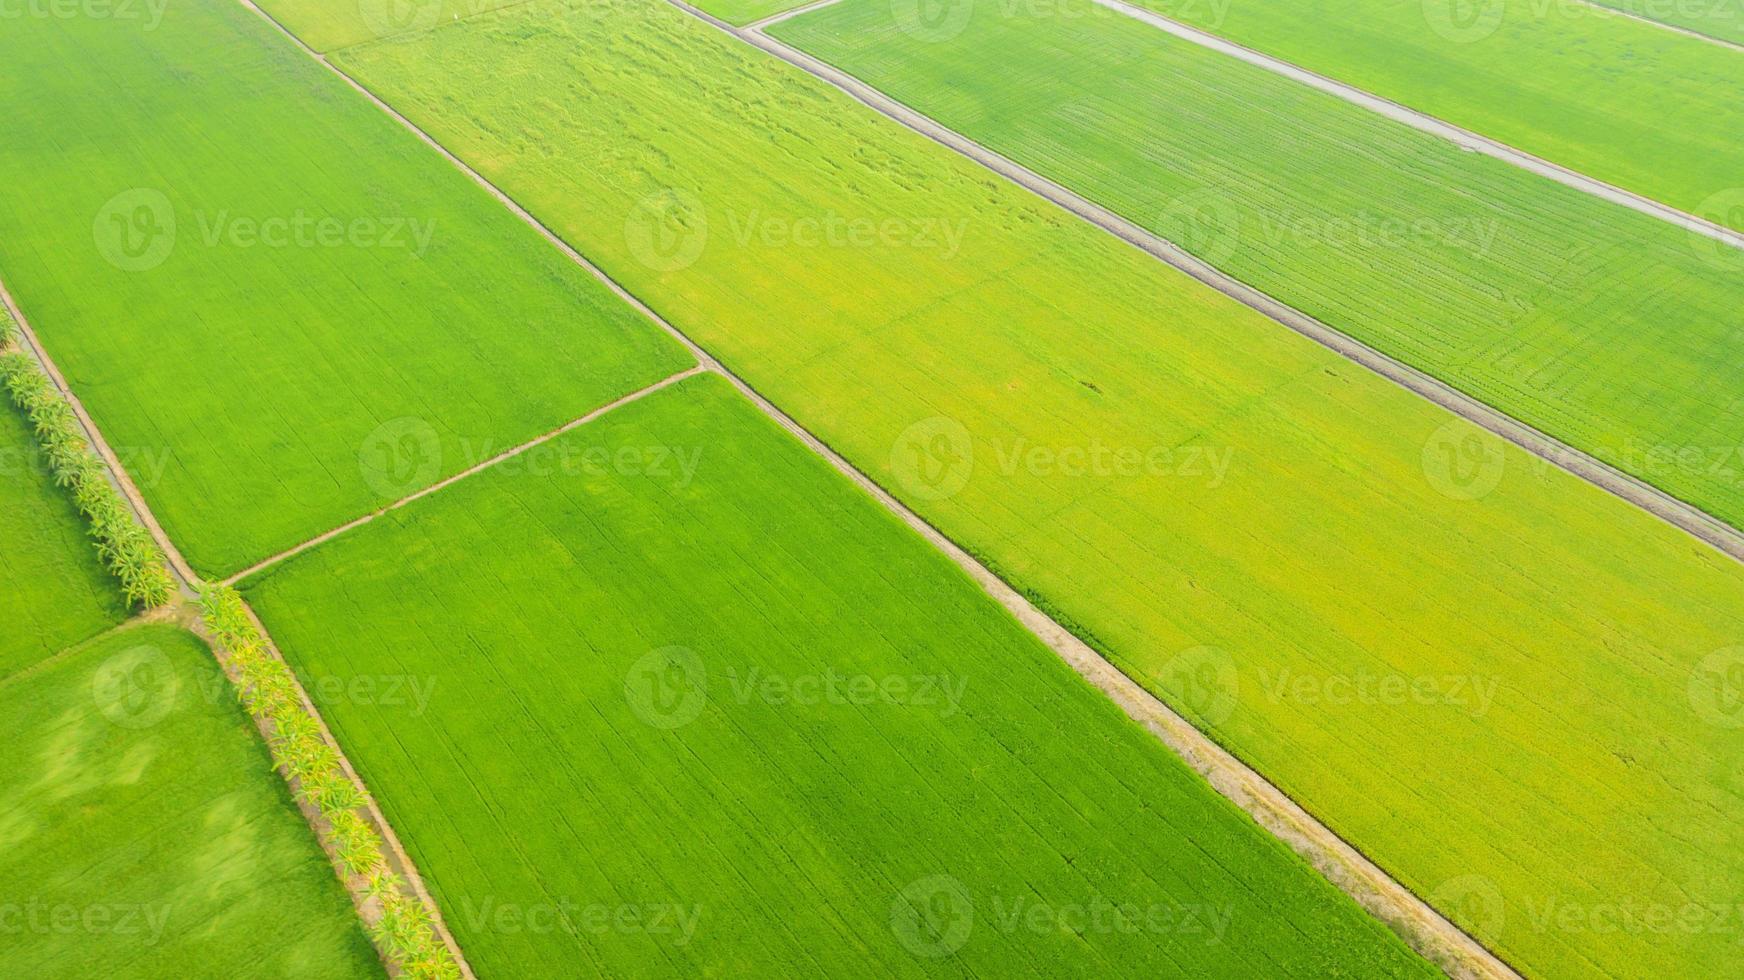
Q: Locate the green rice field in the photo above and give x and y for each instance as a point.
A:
(1632, 104)
(1604, 328)
(469, 623)
(971, 342)
(264, 286)
(54, 591)
(709, 720)
(145, 833)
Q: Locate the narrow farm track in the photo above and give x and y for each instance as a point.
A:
(1422, 927)
(1463, 138)
(456, 478)
(1680, 514)
(1662, 25)
(184, 613)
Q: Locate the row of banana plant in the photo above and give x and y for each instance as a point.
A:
(404, 932)
(125, 546)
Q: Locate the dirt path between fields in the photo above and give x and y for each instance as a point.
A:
(1684, 516)
(1465, 139)
(1662, 25)
(320, 539)
(1426, 930)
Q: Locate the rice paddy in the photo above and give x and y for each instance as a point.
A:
(294, 321)
(967, 377)
(145, 833)
(965, 592)
(769, 717)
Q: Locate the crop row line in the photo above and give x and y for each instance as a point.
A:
(470, 471)
(1342, 864)
(393, 923)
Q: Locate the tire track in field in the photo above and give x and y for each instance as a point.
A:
(1420, 925)
(1674, 511)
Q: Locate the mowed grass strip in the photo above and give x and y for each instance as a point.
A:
(54, 591)
(710, 710)
(268, 291)
(1629, 103)
(1602, 327)
(145, 833)
(1241, 520)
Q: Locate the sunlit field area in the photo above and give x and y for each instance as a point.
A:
(870, 488)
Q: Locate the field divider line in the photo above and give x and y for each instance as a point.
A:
(1632, 489)
(473, 470)
(1662, 25)
(178, 612)
(395, 853)
(1420, 925)
(1463, 138)
(117, 474)
(773, 19)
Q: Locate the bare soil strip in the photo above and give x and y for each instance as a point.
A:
(184, 612)
(1415, 921)
(469, 471)
(1465, 139)
(1686, 517)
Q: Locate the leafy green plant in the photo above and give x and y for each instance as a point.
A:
(125, 546)
(405, 931)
